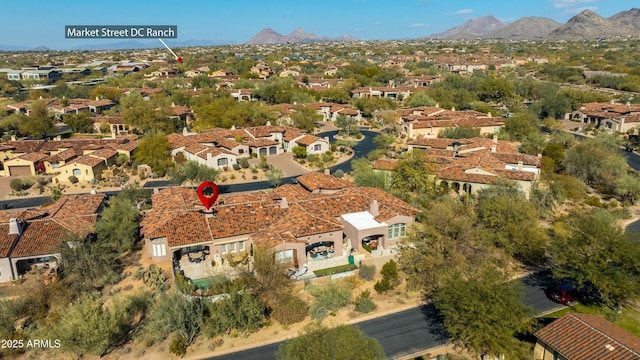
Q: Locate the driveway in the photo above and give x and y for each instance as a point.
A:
(287, 164)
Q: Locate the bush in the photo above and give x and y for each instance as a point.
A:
(154, 277)
(236, 166)
(339, 174)
(289, 310)
(382, 286)
(329, 298)
(367, 272)
(364, 304)
(244, 163)
(17, 184)
(73, 179)
(178, 346)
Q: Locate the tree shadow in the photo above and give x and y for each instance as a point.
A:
(435, 322)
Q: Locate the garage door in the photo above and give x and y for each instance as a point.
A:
(19, 170)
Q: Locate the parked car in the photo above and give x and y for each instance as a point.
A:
(566, 294)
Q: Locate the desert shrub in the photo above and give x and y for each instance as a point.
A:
(154, 277)
(328, 298)
(364, 303)
(382, 286)
(17, 184)
(240, 312)
(339, 174)
(236, 166)
(367, 272)
(312, 157)
(289, 310)
(594, 201)
(178, 346)
(73, 179)
(244, 163)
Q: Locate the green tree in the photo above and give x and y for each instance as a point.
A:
(89, 327)
(305, 118)
(321, 343)
(173, 312)
(153, 150)
(274, 175)
(383, 141)
(39, 122)
(520, 126)
(596, 162)
(482, 313)
(462, 132)
(240, 311)
(79, 122)
(347, 124)
(299, 152)
(413, 175)
(496, 89)
(511, 223)
(192, 172)
(592, 250)
(443, 241)
(420, 98)
(118, 228)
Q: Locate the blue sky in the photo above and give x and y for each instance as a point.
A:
(32, 23)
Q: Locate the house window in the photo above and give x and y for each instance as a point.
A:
(222, 162)
(317, 147)
(285, 256)
(54, 165)
(223, 248)
(77, 172)
(232, 247)
(240, 151)
(158, 250)
(241, 246)
(397, 231)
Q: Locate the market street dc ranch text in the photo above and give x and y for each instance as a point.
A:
(120, 31)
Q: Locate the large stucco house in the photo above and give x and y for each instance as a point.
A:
(318, 211)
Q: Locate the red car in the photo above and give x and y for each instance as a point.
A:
(566, 294)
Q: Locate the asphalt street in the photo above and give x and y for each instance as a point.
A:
(416, 329)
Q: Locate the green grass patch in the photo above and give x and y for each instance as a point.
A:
(210, 282)
(367, 247)
(335, 270)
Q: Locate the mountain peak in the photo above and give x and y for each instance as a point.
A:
(472, 28)
(269, 36)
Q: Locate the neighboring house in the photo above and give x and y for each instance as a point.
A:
(27, 164)
(262, 70)
(466, 166)
(313, 144)
(320, 210)
(86, 168)
(390, 92)
(32, 238)
(585, 337)
(608, 116)
(430, 123)
(50, 76)
(243, 94)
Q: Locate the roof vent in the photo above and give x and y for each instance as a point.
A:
(609, 347)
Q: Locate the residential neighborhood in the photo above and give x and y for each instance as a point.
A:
(462, 195)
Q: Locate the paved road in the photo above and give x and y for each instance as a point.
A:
(412, 330)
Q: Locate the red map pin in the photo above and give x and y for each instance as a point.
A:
(208, 193)
(179, 60)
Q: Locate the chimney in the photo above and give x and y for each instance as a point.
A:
(327, 171)
(373, 207)
(495, 139)
(520, 165)
(156, 190)
(14, 227)
(283, 203)
(493, 148)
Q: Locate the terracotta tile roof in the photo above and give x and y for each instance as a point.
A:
(41, 237)
(261, 142)
(6, 240)
(64, 155)
(589, 336)
(316, 180)
(87, 160)
(307, 140)
(104, 153)
(262, 214)
(33, 157)
(44, 229)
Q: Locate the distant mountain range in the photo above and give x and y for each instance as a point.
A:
(270, 36)
(587, 25)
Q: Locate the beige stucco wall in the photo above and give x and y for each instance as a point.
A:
(5, 270)
(543, 352)
(86, 172)
(149, 251)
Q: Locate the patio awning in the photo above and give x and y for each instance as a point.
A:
(362, 220)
